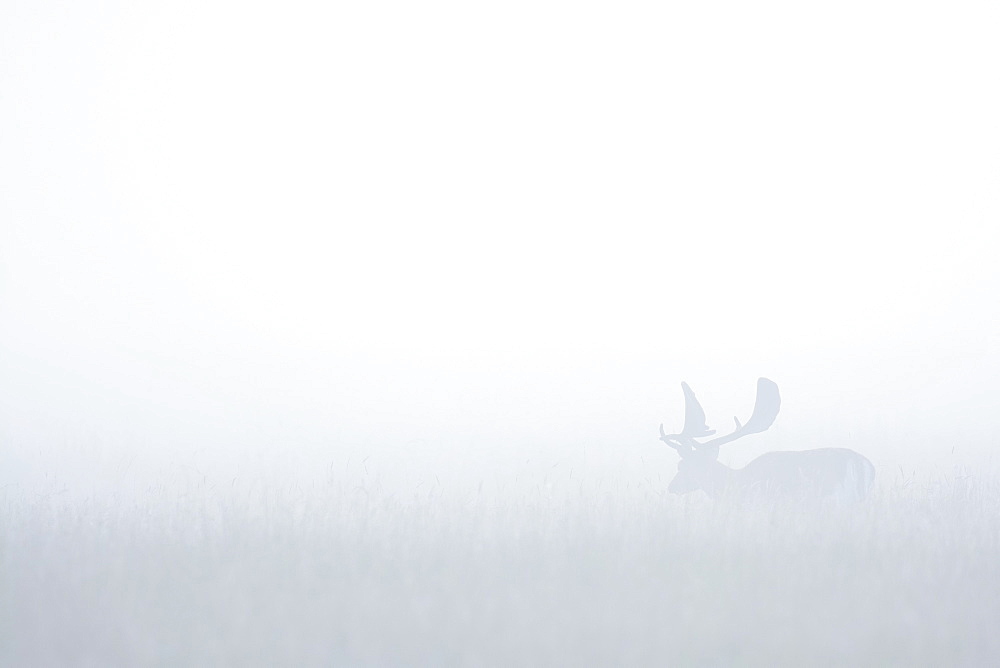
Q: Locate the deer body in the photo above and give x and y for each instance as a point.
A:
(824, 473)
(836, 473)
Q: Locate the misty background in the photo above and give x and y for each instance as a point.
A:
(470, 242)
(340, 333)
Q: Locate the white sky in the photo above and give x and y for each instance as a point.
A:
(707, 190)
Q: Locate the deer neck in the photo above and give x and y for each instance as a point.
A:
(718, 478)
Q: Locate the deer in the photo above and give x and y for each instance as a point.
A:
(824, 473)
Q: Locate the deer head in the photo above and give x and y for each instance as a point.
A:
(699, 467)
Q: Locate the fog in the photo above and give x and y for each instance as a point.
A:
(402, 294)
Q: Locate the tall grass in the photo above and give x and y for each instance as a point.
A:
(613, 573)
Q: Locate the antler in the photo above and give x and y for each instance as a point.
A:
(765, 411)
(684, 447)
(694, 425)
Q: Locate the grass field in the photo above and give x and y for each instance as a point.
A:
(609, 572)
